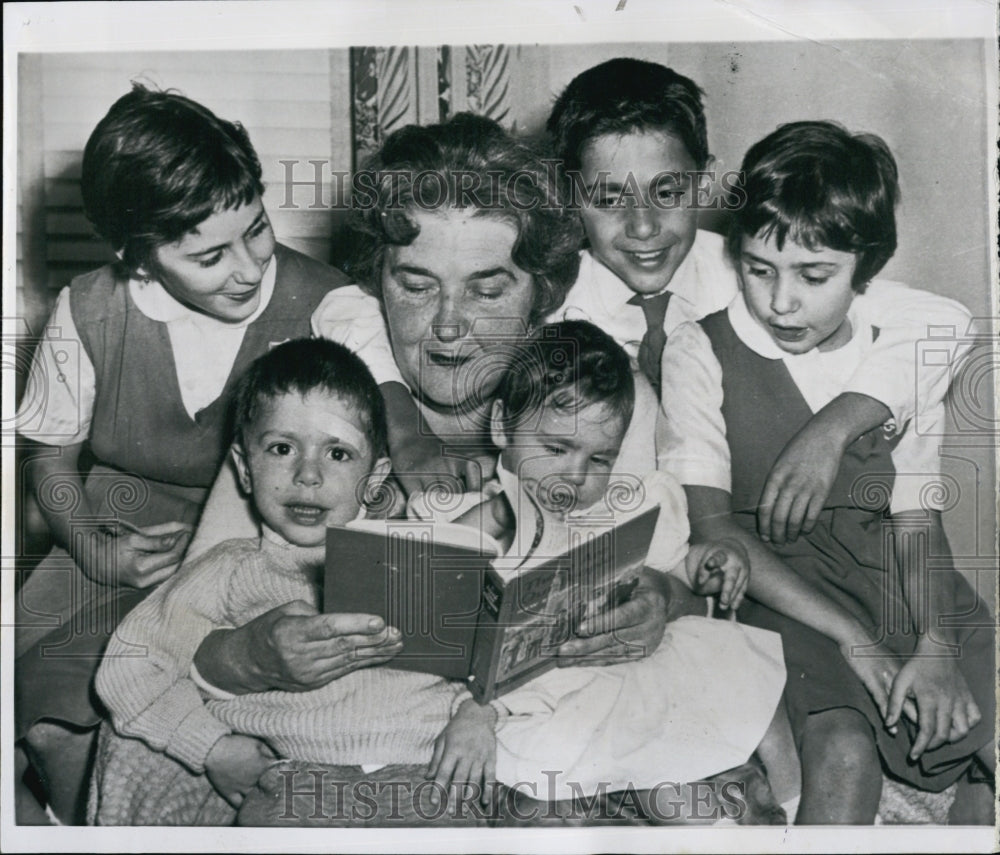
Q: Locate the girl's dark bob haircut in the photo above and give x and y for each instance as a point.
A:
(820, 186)
(157, 165)
(466, 162)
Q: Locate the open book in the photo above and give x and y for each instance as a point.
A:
(464, 616)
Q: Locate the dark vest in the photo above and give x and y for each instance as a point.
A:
(845, 554)
(139, 423)
(763, 409)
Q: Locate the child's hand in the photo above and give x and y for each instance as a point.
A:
(877, 667)
(719, 567)
(235, 764)
(466, 750)
(798, 484)
(945, 708)
(136, 557)
(802, 477)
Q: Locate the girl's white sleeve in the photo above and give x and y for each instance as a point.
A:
(923, 337)
(669, 545)
(58, 401)
(690, 428)
(353, 318)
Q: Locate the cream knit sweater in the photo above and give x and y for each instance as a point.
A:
(372, 715)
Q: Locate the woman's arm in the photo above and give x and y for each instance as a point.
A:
(638, 623)
(227, 514)
(110, 555)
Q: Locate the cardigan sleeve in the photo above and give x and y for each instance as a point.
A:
(144, 679)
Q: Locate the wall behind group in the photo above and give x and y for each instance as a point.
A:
(927, 98)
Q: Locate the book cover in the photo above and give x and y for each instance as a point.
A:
(525, 618)
(424, 578)
(461, 618)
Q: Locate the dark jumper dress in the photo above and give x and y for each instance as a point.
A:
(843, 557)
(153, 463)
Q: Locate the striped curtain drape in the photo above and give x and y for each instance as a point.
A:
(396, 86)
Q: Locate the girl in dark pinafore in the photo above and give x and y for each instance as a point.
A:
(888, 649)
(135, 373)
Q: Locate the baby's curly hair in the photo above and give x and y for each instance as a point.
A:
(567, 365)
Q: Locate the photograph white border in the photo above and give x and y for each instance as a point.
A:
(99, 26)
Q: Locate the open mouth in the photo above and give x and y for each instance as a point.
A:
(789, 334)
(447, 358)
(648, 258)
(307, 515)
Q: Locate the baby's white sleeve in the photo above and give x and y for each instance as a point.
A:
(353, 318)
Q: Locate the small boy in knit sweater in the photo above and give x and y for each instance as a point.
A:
(310, 440)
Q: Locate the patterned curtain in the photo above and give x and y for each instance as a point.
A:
(395, 86)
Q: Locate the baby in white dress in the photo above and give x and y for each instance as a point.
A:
(666, 718)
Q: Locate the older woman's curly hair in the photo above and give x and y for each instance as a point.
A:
(468, 161)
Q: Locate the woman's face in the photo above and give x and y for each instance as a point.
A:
(456, 304)
(217, 267)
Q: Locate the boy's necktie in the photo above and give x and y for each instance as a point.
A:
(651, 346)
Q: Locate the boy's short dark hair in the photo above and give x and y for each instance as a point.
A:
(305, 365)
(820, 186)
(568, 365)
(622, 96)
(468, 161)
(157, 165)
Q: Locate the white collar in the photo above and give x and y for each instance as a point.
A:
(754, 336)
(156, 303)
(614, 294)
(271, 536)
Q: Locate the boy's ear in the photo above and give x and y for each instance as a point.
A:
(705, 182)
(497, 433)
(242, 469)
(380, 471)
(375, 479)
